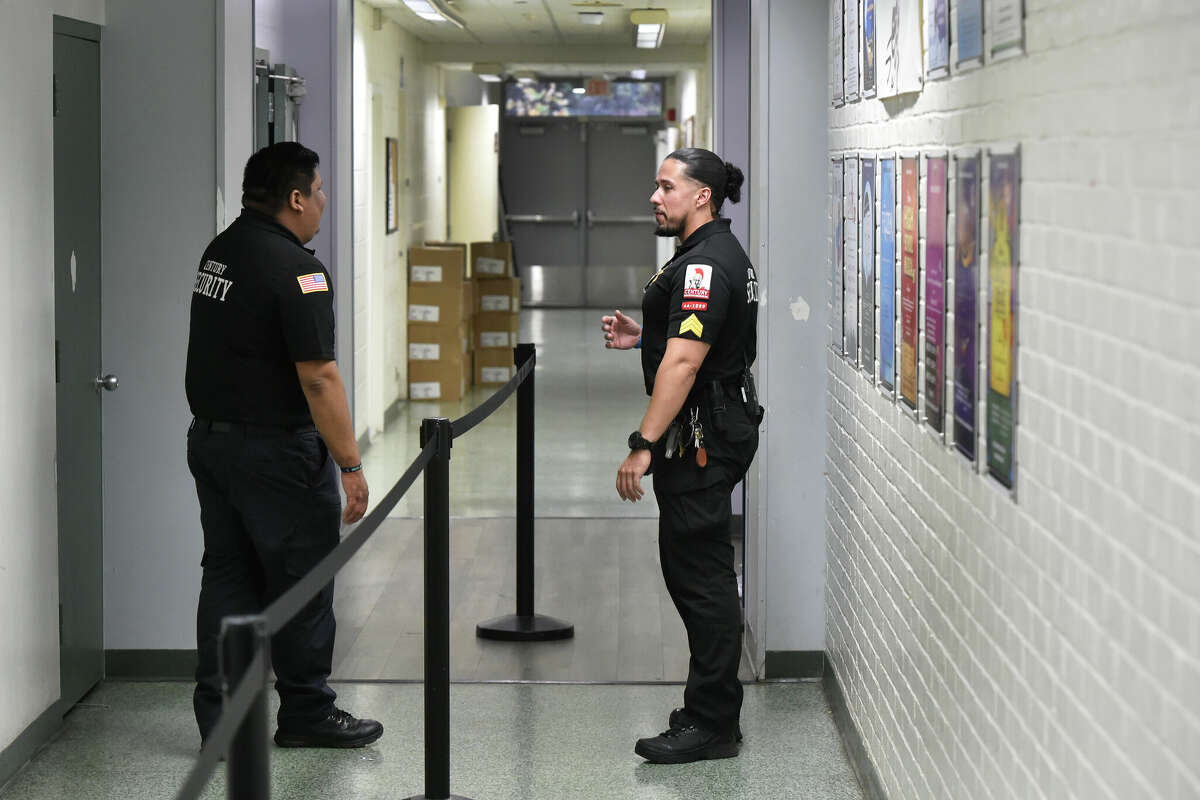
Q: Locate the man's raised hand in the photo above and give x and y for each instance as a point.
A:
(620, 331)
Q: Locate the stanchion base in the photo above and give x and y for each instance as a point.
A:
(423, 797)
(514, 628)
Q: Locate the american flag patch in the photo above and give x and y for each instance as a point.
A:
(313, 283)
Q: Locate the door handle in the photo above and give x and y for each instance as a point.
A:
(109, 383)
(632, 219)
(564, 219)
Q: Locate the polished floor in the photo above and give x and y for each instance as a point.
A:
(136, 741)
(588, 399)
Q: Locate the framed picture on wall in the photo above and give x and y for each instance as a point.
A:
(392, 205)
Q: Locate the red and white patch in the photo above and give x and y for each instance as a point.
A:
(692, 305)
(697, 281)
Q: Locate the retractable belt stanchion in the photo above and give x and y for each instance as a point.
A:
(525, 625)
(248, 771)
(437, 613)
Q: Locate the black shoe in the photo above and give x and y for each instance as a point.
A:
(679, 717)
(339, 729)
(684, 745)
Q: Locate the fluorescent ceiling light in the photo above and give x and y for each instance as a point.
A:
(637, 74)
(434, 11)
(591, 17)
(488, 71)
(579, 90)
(649, 25)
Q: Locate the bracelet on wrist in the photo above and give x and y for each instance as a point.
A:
(638, 346)
(356, 468)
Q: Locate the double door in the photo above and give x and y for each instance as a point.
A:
(577, 198)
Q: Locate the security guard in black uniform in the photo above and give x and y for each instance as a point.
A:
(698, 340)
(270, 410)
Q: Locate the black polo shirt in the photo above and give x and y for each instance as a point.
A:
(260, 303)
(707, 292)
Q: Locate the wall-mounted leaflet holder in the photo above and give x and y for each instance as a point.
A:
(278, 94)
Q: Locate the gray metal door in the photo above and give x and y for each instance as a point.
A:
(77, 356)
(542, 169)
(620, 222)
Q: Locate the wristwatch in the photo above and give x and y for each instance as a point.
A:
(639, 442)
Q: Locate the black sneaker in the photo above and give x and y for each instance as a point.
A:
(684, 745)
(339, 729)
(679, 717)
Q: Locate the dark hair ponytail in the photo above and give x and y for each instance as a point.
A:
(706, 167)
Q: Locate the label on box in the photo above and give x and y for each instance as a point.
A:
(424, 351)
(495, 302)
(494, 339)
(495, 374)
(424, 390)
(418, 313)
(489, 266)
(426, 274)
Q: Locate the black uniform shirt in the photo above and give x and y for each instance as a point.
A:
(261, 302)
(708, 292)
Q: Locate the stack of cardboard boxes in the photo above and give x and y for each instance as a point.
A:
(440, 305)
(497, 307)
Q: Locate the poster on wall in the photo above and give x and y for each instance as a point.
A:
(887, 273)
(835, 20)
(852, 38)
(866, 260)
(898, 46)
(1007, 27)
(909, 267)
(970, 33)
(966, 292)
(935, 290)
(937, 33)
(1004, 246)
(850, 314)
(868, 48)
(835, 259)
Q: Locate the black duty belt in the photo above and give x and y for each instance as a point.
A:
(221, 426)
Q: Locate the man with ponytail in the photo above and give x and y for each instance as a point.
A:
(698, 436)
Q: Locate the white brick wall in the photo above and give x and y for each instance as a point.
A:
(1047, 647)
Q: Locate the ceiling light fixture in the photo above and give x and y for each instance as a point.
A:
(488, 72)
(591, 17)
(637, 74)
(579, 90)
(649, 25)
(435, 11)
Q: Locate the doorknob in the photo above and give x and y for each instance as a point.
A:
(108, 383)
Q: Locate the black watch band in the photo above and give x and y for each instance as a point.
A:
(639, 442)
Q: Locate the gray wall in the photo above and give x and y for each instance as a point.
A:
(159, 208)
(788, 231)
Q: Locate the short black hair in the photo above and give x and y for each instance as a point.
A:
(706, 167)
(274, 171)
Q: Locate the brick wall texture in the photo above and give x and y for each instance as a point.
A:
(1045, 645)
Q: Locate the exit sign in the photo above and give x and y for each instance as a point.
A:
(597, 88)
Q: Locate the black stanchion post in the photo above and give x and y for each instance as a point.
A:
(437, 612)
(525, 625)
(248, 769)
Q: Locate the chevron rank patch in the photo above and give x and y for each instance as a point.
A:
(692, 325)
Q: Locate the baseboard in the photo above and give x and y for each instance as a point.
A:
(393, 411)
(794, 664)
(852, 742)
(23, 748)
(150, 665)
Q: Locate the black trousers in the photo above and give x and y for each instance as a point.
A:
(270, 509)
(697, 564)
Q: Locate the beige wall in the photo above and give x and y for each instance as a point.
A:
(473, 164)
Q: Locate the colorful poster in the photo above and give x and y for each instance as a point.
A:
(835, 260)
(1008, 37)
(935, 291)
(868, 48)
(1003, 216)
(970, 31)
(898, 45)
(966, 292)
(909, 267)
(851, 275)
(866, 260)
(852, 39)
(835, 20)
(887, 273)
(938, 35)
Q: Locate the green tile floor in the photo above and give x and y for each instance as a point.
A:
(130, 741)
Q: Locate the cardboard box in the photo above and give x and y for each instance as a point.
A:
(437, 342)
(437, 380)
(445, 266)
(502, 294)
(491, 260)
(448, 305)
(494, 366)
(496, 329)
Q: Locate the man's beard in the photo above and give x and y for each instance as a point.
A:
(668, 229)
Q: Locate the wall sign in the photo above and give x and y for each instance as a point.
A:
(909, 277)
(935, 290)
(1003, 217)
